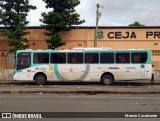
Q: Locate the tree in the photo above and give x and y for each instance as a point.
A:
(13, 15)
(136, 24)
(62, 17)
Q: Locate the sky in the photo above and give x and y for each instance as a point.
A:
(113, 12)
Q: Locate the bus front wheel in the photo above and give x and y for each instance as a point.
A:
(40, 80)
(107, 79)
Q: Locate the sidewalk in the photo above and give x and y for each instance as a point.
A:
(136, 87)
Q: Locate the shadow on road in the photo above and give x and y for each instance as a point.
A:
(122, 83)
(133, 84)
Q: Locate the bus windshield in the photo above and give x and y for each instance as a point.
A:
(23, 60)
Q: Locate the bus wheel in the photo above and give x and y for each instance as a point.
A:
(107, 79)
(40, 80)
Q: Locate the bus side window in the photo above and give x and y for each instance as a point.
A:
(75, 58)
(139, 57)
(40, 58)
(136, 58)
(54, 58)
(95, 58)
(79, 58)
(119, 58)
(35, 59)
(122, 57)
(91, 58)
(144, 57)
(58, 58)
(45, 58)
(106, 57)
(62, 58)
(87, 58)
(71, 58)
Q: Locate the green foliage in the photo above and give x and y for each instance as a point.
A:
(62, 17)
(13, 15)
(136, 24)
(55, 41)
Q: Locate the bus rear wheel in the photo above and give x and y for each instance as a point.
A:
(40, 80)
(107, 79)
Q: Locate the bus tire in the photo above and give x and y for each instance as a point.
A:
(107, 79)
(40, 79)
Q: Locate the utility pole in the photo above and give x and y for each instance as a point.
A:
(98, 14)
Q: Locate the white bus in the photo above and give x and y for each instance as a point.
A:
(83, 64)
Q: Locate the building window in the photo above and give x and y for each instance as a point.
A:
(156, 52)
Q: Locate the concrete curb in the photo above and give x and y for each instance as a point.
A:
(10, 87)
(75, 92)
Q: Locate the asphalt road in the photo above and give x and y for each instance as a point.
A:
(80, 103)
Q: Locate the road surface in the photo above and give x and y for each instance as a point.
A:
(81, 103)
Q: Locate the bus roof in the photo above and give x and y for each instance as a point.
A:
(86, 50)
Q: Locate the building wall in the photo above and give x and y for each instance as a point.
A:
(113, 37)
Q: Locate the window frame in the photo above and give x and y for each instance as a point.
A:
(107, 62)
(58, 62)
(140, 56)
(48, 61)
(122, 60)
(91, 58)
(75, 57)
